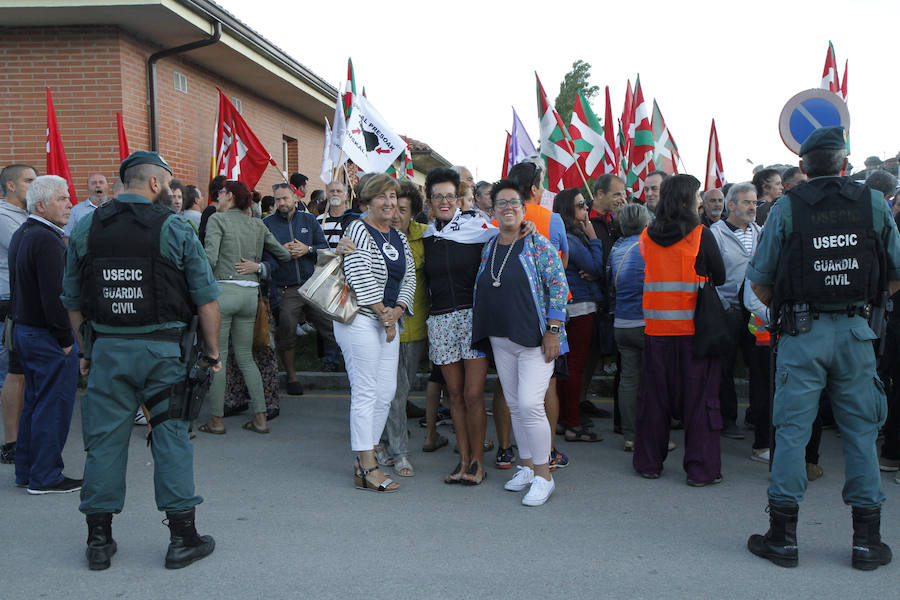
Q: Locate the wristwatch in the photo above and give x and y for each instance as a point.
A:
(553, 329)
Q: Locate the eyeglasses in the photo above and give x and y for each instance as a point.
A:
(515, 203)
(444, 197)
(279, 186)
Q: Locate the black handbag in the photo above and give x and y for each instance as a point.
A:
(711, 335)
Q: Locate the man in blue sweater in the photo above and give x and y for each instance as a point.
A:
(43, 338)
(301, 235)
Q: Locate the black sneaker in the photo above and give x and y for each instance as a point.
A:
(505, 458)
(63, 487)
(8, 453)
(443, 417)
(294, 388)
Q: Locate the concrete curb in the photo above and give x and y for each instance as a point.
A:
(315, 380)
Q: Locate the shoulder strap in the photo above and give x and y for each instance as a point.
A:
(627, 252)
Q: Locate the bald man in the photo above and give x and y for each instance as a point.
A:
(98, 193)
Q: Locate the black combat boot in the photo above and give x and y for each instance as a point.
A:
(100, 544)
(185, 546)
(779, 544)
(869, 552)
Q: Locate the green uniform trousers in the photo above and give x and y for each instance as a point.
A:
(125, 373)
(836, 354)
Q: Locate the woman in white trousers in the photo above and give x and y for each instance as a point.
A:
(520, 303)
(381, 273)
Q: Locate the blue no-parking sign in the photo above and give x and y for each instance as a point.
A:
(809, 110)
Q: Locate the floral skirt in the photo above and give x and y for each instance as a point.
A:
(236, 394)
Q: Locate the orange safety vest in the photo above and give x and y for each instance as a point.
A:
(763, 337)
(538, 215)
(670, 284)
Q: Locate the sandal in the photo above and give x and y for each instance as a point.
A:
(251, 426)
(438, 444)
(403, 467)
(382, 457)
(205, 428)
(470, 476)
(456, 475)
(582, 435)
(361, 480)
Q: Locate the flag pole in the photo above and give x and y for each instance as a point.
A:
(335, 170)
(580, 170)
(349, 187)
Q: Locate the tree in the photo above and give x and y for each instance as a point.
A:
(576, 79)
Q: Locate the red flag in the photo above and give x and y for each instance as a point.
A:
(830, 80)
(611, 159)
(844, 83)
(239, 153)
(640, 157)
(556, 145)
(123, 139)
(349, 90)
(627, 121)
(715, 173)
(505, 170)
(56, 154)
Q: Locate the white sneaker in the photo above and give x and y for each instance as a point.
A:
(139, 418)
(521, 480)
(761, 455)
(540, 492)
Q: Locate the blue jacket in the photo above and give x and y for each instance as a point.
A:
(626, 295)
(590, 260)
(302, 227)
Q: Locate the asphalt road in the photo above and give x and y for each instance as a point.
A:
(288, 523)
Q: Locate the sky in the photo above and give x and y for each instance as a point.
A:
(448, 73)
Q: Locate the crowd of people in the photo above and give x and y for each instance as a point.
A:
(547, 290)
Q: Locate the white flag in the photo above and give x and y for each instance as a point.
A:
(369, 142)
(338, 133)
(327, 164)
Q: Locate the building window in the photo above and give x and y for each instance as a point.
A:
(238, 105)
(180, 82)
(290, 157)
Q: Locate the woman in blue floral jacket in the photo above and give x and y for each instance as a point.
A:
(519, 313)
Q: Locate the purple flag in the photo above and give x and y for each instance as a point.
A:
(520, 145)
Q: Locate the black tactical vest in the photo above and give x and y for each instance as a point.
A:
(125, 280)
(832, 255)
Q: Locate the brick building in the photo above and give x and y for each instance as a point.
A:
(93, 55)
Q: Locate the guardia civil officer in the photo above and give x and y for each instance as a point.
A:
(829, 250)
(137, 274)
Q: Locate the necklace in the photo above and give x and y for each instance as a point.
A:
(387, 248)
(496, 278)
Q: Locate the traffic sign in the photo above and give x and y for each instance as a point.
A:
(809, 110)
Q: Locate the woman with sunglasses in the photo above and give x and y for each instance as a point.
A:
(585, 255)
